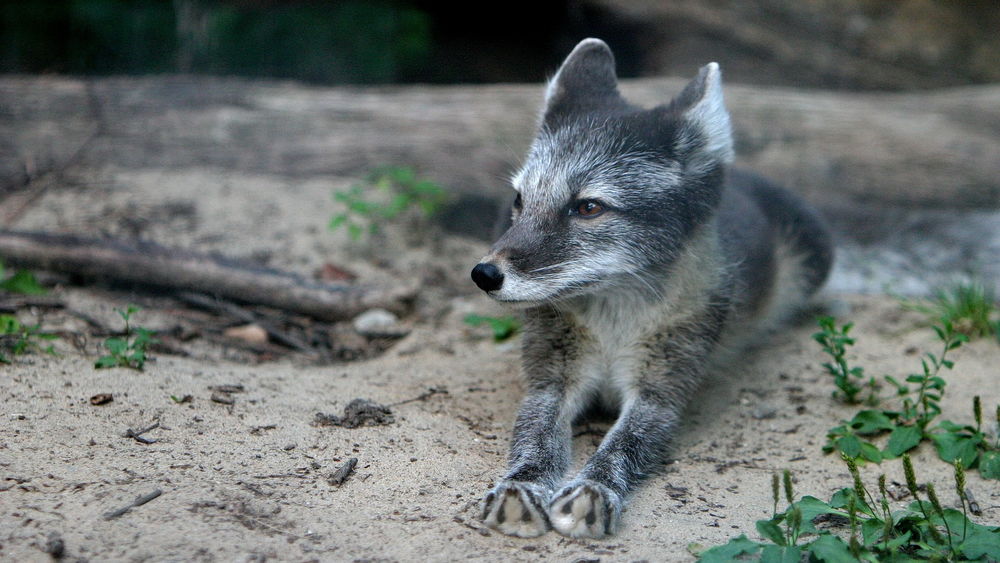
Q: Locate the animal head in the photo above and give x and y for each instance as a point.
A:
(609, 192)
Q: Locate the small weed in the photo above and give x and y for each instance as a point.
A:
(386, 194)
(17, 338)
(923, 530)
(129, 350)
(503, 327)
(909, 423)
(971, 307)
(21, 281)
(835, 342)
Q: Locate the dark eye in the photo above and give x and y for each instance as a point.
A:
(588, 208)
(517, 202)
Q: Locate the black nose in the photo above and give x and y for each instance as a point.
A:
(487, 277)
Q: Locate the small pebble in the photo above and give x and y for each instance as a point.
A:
(377, 323)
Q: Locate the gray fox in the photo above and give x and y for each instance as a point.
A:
(638, 258)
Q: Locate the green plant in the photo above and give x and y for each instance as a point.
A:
(129, 350)
(971, 307)
(503, 327)
(17, 338)
(21, 281)
(923, 530)
(835, 342)
(386, 194)
(909, 423)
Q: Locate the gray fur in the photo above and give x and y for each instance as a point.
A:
(628, 308)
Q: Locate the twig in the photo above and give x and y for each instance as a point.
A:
(431, 391)
(973, 505)
(137, 435)
(12, 304)
(239, 313)
(139, 501)
(338, 477)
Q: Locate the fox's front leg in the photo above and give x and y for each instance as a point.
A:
(590, 505)
(539, 456)
(655, 393)
(540, 449)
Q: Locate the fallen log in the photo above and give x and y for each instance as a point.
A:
(150, 264)
(936, 149)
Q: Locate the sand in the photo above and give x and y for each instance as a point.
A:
(249, 481)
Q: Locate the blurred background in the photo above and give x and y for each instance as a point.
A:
(883, 113)
(844, 44)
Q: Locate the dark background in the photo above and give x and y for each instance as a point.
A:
(844, 44)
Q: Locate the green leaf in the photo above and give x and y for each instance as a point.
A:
(811, 507)
(952, 427)
(871, 422)
(901, 388)
(898, 541)
(116, 346)
(870, 452)
(831, 549)
(989, 465)
(337, 221)
(952, 446)
(871, 530)
(780, 554)
(841, 498)
(503, 327)
(9, 325)
(143, 338)
(770, 530)
(106, 362)
(850, 445)
(23, 282)
(903, 439)
(981, 542)
(728, 552)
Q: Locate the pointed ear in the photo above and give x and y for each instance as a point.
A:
(585, 81)
(706, 134)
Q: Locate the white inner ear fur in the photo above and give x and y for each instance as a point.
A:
(710, 116)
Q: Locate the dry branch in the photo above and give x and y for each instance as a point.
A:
(154, 265)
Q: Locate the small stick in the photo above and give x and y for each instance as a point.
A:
(139, 501)
(973, 505)
(12, 304)
(430, 392)
(137, 435)
(343, 472)
(241, 314)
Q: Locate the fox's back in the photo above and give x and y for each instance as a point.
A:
(778, 248)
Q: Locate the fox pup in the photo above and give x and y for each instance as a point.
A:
(637, 256)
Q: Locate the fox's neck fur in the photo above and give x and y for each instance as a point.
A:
(657, 299)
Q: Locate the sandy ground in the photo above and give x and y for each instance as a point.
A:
(249, 481)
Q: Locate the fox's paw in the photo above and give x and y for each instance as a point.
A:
(585, 509)
(517, 508)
